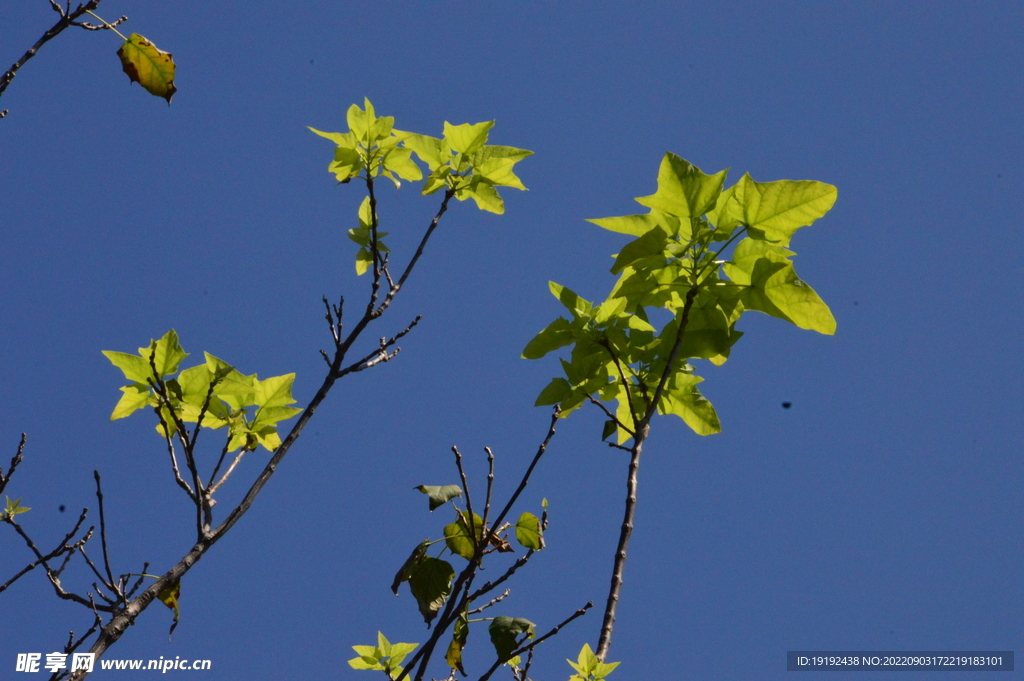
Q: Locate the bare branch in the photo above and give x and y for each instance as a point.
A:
(62, 548)
(529, 471)
(492, 602)
(103, 531)
(66, 19)
(17, 459)
(477, 546)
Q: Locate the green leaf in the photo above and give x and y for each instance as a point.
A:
(135, 397)
(135, 368)
(589, 668)
(484, 195)
(275, 391)
(359, 121)
(439, 495)
(774, 288)
(494, 163)
(774, 210)
(342, 139)
(505, 630)
(635, 225)
(610, 426)
(430, 580)
(467, 138)
(652, 243)
(168, 354)
(579, 307)
(399, 162)
(426, 147)
(557, 391)
(460, 540)
(528, 532)
(385, 656)
(148, 66)
(682, 398)
(13, 508)
(403, 572)
(555, 335)
(347, 163)
(683, 189)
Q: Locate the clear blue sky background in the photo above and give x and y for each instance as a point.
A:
(882, 511)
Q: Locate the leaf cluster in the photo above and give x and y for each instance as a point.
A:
(385, 656)
(677, 261)
(460, 161)
(212, 395)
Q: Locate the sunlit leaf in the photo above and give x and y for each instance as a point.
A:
(460, 540)
(683, 189)
(528, 532)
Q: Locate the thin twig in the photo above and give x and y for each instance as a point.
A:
(103, 531)
(610, 415)
(416, 256)
(17, 459)
(477, 545)
(490, 484)
(227, 473)
(55, 30)
(529, 471)
(492, 602)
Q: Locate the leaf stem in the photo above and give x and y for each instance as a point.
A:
(101, 20)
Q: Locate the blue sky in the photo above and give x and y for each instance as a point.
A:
(883, 511)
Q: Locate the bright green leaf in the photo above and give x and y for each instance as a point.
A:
(135, 397)
(574, 303)
(399, 161)
(555, 335)
(275, 391)
(683, 189)
(484, 195)
(682, 398)
(557, 391)
(774, 287)
(467, 138)
(634, 225)
(168, 354)
(528, 532)
(13, 508)
(774, 210)
(460, 540)
(135, 368)
(589, 668)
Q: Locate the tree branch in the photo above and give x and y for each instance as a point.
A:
(55, 30)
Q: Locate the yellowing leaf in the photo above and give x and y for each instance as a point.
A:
(148, 66)
(169, 596)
